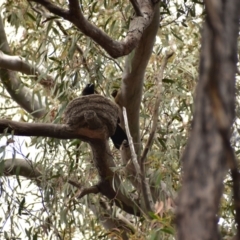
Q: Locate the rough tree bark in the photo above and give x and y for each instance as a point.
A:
(208, 152)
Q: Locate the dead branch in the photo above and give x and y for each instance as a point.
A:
(78, 48)
(146, 193)
(130, 140)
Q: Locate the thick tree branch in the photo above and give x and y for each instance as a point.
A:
(16, 63)
(133, 78)
(102, 155)
(22, 167)
(19, 93)
(104, 163)
(86, 118)
(114, 48)
(60, 131)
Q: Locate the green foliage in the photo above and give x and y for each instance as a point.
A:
(74, 60)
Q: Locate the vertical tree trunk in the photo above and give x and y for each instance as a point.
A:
(206, 156)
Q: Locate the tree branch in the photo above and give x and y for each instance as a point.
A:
(16, 63)
(159, 78)
(22, 167)
(110, 184)
(60, 131)
(110, 222)
(146, 193)
(86, 191)
(19, 93)
(53, 8)
(93, 119)
(145, 186)
(78, 48)
(136, 8)
(114, 48)
(133, 154)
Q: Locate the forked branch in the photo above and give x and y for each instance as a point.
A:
(143, 8)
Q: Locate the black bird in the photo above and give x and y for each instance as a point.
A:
(119, 136)
(89, 89)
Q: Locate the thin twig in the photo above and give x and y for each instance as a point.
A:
(147, 196)
(130, 141)
(75, 184)
(145, 186)
(84, 60)
(156, 111)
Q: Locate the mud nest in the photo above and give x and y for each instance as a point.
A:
(92, 112)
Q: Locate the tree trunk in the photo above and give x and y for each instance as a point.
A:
(208, 151)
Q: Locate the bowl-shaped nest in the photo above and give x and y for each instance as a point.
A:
(92, 106)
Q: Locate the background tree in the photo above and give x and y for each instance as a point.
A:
(49, 51)
(209, 152)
